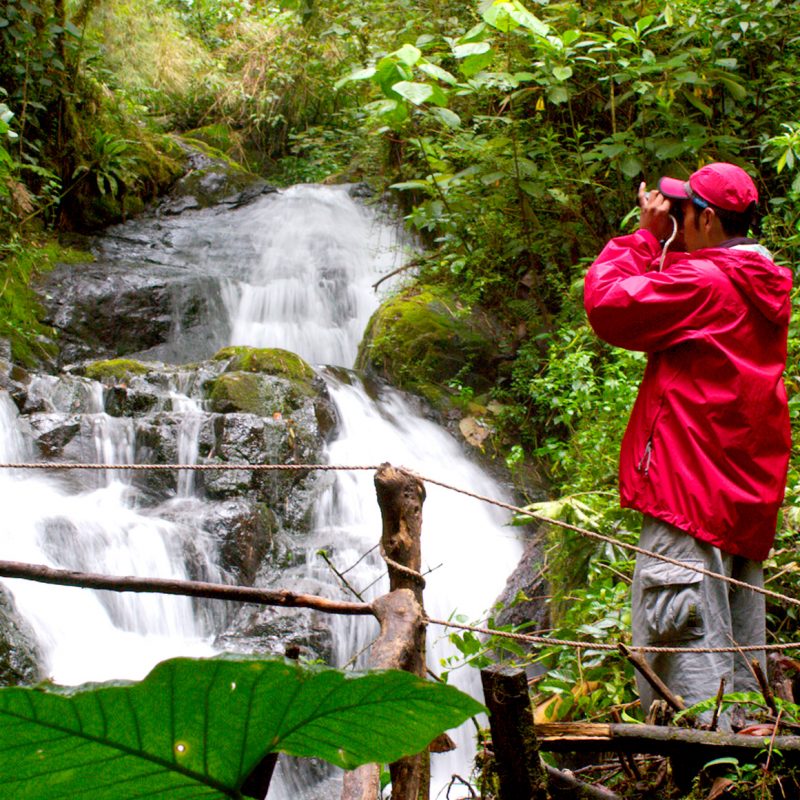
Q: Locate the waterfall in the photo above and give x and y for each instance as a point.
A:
(92, 636)
(294, 270)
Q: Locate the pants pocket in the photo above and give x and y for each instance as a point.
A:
(672, 601)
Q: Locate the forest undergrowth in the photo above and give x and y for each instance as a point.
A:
(511, 135)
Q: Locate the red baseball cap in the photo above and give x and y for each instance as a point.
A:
(723, 185)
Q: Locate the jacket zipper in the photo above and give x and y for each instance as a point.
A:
(644, 461)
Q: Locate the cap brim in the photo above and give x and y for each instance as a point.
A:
(673, 189)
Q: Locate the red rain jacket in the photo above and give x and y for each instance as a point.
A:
(707, 445)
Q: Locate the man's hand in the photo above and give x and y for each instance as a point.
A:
(654, 215)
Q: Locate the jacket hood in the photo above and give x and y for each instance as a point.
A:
(767, 285)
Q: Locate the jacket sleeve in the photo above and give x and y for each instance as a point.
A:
(630, 306)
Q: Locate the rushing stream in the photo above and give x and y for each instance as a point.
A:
(291, 270)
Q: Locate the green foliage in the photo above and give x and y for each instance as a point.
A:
(111, 165)
(201, 727)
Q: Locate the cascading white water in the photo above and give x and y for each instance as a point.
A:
(295, 271)
(92, 635)
(310, 292)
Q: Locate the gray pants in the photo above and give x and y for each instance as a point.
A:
(676, 607)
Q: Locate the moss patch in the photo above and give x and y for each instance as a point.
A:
(115, 370)
(252, 393)
(421, 340)
(20, 310)
(268, 361)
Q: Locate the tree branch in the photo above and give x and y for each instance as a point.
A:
(212, 591)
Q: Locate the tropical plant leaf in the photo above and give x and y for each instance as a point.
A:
(197, 728)
(416, 93)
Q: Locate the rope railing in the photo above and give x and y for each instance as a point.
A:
(255, 595)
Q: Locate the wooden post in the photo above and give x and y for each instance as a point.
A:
(516, 750)
(401, 644)
(398, 647)
(400, 497)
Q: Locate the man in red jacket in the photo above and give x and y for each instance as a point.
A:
(706, 450)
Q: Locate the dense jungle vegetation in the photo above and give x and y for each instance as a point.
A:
(513, 135)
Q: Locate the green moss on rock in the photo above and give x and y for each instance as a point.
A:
(421, 340)
(268, 361)
(115, 370)
(251, 393)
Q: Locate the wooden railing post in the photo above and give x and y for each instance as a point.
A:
(401, 644)
(520, 770)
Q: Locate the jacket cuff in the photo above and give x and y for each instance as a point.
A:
(650, 238)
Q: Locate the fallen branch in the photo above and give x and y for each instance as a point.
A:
(212, 591)
(766, 691)
(656, 739)
(415, 263)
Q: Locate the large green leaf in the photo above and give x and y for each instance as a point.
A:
(197, 728)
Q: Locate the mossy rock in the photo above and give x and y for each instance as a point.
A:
(267, 361)
(422, 339)
(253, 393)
(115, 370)
(217, 140)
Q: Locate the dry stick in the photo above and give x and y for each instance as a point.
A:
(339, 575)
(244, 594)
(772, 739)
(415, 263)
(626, 760)
(718, 705)
(646, 670)
(361, 558)
(766, 691)
(578, 789)
(213, 591)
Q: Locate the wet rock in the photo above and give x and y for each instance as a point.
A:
(53, 432)
(20, 658)
(273, 630)
(239, 393)
(111, 308)
(14, 380)
(263, 395)
(115, 371)
(212, 179)
(121, 401)
(247, 533)
(66, 393)
(522, 601)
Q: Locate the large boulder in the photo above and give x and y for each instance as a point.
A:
(211, 179)
(421, 340)
(110, 308)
